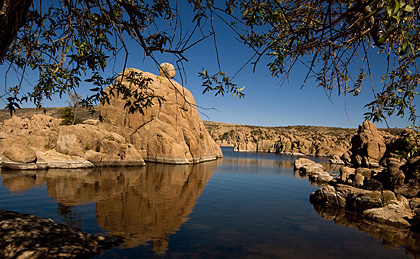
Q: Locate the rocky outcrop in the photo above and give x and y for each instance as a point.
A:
(384, 183)
(38, 132)
(170, 131)
(368, 145)
(40, 142)
(381, 206)
(29, 236)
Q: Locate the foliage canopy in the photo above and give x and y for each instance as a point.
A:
(74, 40)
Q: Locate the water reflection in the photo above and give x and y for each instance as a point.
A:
(279, 164)
(17, 181)
(392, 237)
(141, 204)
(259, 162)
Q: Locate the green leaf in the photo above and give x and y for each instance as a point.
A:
(409, 9)
(397, 7)
(385, 36)
(404, 47)
(245, 13)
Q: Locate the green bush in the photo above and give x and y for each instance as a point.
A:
(68, 117)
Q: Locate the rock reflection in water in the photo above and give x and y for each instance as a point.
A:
(22, 180)
(152, 204)
(259, 162)
(141, 204)
(392, 237)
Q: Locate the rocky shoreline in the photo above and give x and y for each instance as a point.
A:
(291, 140)
(379, 183)
(28, 236)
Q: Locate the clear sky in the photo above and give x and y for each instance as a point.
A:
(266, 102)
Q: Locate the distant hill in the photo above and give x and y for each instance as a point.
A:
(55, 112)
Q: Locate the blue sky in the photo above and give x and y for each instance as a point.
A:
(266, 102)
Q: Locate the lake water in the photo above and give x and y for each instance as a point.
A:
(246, 205)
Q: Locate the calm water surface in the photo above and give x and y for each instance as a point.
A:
(246, 205)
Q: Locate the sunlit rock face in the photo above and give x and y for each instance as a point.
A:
(38, 132)
(368, 145)
(170, 131)
(97, 146)
(40, 142)
(141, 204)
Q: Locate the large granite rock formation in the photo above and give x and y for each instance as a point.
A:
(168, 132)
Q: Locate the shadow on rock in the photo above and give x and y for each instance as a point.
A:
(29, 236)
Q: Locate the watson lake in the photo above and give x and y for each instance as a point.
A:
(245, 205)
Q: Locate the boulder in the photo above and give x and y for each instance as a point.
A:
(167, 70)
(396, 214)
(328, 196)
(320, 176)
(368, 145)
(346, 174)
(409, 189)
(352, 198)
(308, 164)
(394, 175)
(359, 180)
(54, 159)
(19, 153)
(346, 158)
(170, 131)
